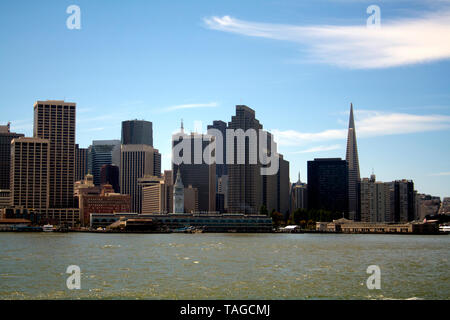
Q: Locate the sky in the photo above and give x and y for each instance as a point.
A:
(298, 64)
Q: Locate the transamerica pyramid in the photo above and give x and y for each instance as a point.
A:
(353, 168)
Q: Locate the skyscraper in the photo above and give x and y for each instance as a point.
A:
(195, 171)
(327, 185)
(245, 183)
(81, 163)
(30, 173)
(221, 168)
(137, 132)
(353, 168)
(299, 195)
(54, 120)
(103, 152)
(109, 174)
(137, 161)
(5, 155)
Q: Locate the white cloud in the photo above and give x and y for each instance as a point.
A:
(368, 124)
(440, 174)
(192, 106)
(400, 42)
(319, 149)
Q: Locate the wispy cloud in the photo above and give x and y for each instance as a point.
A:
(191, 106)
(369, 124)
(399, 42)
(440, 174)
(319, 149)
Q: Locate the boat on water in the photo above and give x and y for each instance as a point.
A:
(188, 230)
(48, 228)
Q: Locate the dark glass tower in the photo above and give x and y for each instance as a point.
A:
(353, 168)
(137, 132)
(327, 185)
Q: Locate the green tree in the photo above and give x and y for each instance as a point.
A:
(263, 210)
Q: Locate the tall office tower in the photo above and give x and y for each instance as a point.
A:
(6, 136)
(195, 170)
(190, 199)
(245, 182)
(403, 200)
(222, 194)
(375, 201)
(81, 163)
(353, 168)
(221, 168)
(178, 194)
(30, 173)
(55, 121)
(109, 174)
(283, 187)
(137, 132)
(136, 161)
(299, 195)
(103, 152)
(327, 185)
(168, 181)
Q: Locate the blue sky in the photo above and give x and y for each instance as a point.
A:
(299, 64)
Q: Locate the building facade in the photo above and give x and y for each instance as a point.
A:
(6, 136)
(353, 168)
(54, 120)
(137, 161)
(30, 173)
(137, 132)
(327, 185)
(81, 162)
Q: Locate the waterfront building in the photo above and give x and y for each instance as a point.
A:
(137, 132)
(195, 170)
(54, 120)
(30, 173)
(207, 222)
(353, 168)
(109, 174)
(105, 201)
(81, 162)
(178, 194)
(154, 197)
(137, 161)
(349, 226)
(327, 185)
(6, 136)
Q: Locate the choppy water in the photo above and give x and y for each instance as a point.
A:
(223, 266)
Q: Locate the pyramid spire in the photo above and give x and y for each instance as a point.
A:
(353, 167)
(351, 122)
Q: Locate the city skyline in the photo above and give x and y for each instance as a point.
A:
(203, 69)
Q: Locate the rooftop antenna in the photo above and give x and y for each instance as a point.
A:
(182, 126)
